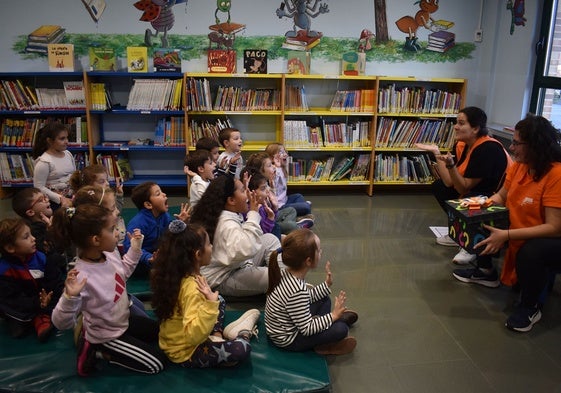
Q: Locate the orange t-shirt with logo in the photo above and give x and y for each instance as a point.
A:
(526, 202)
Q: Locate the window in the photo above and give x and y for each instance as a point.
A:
(546, 92)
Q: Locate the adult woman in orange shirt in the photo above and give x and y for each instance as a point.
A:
(532, 193)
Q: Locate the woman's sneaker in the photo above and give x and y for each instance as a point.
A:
(523, 319)
(343, 347)
(244, 326)
(477, 276)
(446, 241)
(464, 258)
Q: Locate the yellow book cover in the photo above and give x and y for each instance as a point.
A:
(61, 57)
(137, 59)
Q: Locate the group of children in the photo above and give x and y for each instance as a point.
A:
(228, 242)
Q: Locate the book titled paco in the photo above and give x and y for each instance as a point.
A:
(137, 59)
(255, 61)
(61, 57)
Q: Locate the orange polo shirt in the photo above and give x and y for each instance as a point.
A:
(526, 201)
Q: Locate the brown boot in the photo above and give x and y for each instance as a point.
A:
(349, 317)
(346, 345)
(43, 326)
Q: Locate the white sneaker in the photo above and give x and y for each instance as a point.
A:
(244, 325)
(464, 258)
(446, 241)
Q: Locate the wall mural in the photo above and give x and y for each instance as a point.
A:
(440, 45)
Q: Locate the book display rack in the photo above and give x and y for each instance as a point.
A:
(351, 131)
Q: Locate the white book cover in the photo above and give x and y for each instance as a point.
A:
(75, 94)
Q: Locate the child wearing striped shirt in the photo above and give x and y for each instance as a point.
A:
(300, 318)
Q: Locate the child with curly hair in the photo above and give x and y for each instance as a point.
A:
(191, 314)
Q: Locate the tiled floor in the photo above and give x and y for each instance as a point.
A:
(420, 330)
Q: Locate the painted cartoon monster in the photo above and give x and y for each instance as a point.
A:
(409, 24)
(302, 11)
(160, 15)
(222, 6)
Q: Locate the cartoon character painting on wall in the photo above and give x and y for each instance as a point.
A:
(160, 15)
(302, 12)
(517, 11)
(223, 34)
(410, 25)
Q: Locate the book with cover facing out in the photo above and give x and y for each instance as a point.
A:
(298, 62)
(167, 60)
(75, 95)
(255, 61)
(221, 61)
(137, 59)
(353, 63)
(102, 59)
(61, 57)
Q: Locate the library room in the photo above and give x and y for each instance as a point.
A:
(355, 129)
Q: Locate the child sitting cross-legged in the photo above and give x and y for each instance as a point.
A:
(96, 287)
(152, 219)
(298, 318)
(30, 284)
(191, 314)
(230, 161)
(200, 164)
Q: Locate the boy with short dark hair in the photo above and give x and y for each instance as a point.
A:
(230, 160)
(211, 145)
(200, 162)
(152, 219)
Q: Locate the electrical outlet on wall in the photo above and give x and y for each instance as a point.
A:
(478, 37)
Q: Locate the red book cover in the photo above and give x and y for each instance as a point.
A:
(221, 61)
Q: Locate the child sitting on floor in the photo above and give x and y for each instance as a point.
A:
(152, 219)
(191, 314)
(278, 155)
(199, 163)
(230, 160)
(206, 143)
(240, 250)
(298, 318)
(96, 287)
(30, 284)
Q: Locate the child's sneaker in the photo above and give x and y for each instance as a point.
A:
(244, 326)
(43, 327)
(523, 319)
(463, 257)
(343, 347)
(86, 357)
(305, 223)
(477, 276)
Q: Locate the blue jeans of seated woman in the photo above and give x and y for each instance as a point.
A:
(336, 332)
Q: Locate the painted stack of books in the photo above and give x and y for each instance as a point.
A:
(441, 41)
(302, 41)
(40, 38)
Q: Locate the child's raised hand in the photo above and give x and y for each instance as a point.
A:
(339, 308)
(118, 186)
(72, 286)
(328, 275)
(269, 211)
(205, 289)
(234, 160)
(188, 171)
(45, 298)
(253, 200)
(277, 160)
(45, 219)
(184, 213)
(273, 200)
(136, 238)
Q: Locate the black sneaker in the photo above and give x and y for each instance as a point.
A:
(476, 276)
(86, 357)
(523, 319)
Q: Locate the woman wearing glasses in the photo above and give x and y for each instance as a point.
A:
(532, 193)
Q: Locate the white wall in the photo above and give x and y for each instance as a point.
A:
(499, 72)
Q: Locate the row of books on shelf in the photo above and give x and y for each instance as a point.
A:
(297, 133)
(207, 129)
(15, 95)
(117, 165)
(407, 169)
(351, 167)
(16, 168)
(404, 133)
(295, 98)
(240, 99)
(99, 97)
(22, 132)
(353, 100)
(418, 100)
(155, 94)
(170, 131)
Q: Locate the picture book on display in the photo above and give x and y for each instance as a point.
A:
(167, 60)
(61, 57)
(221, 61)
(298, 62)
(255, 61)
(102, 59)
(40, 38)
(353, 63)
(137, 59)
(75, 95)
